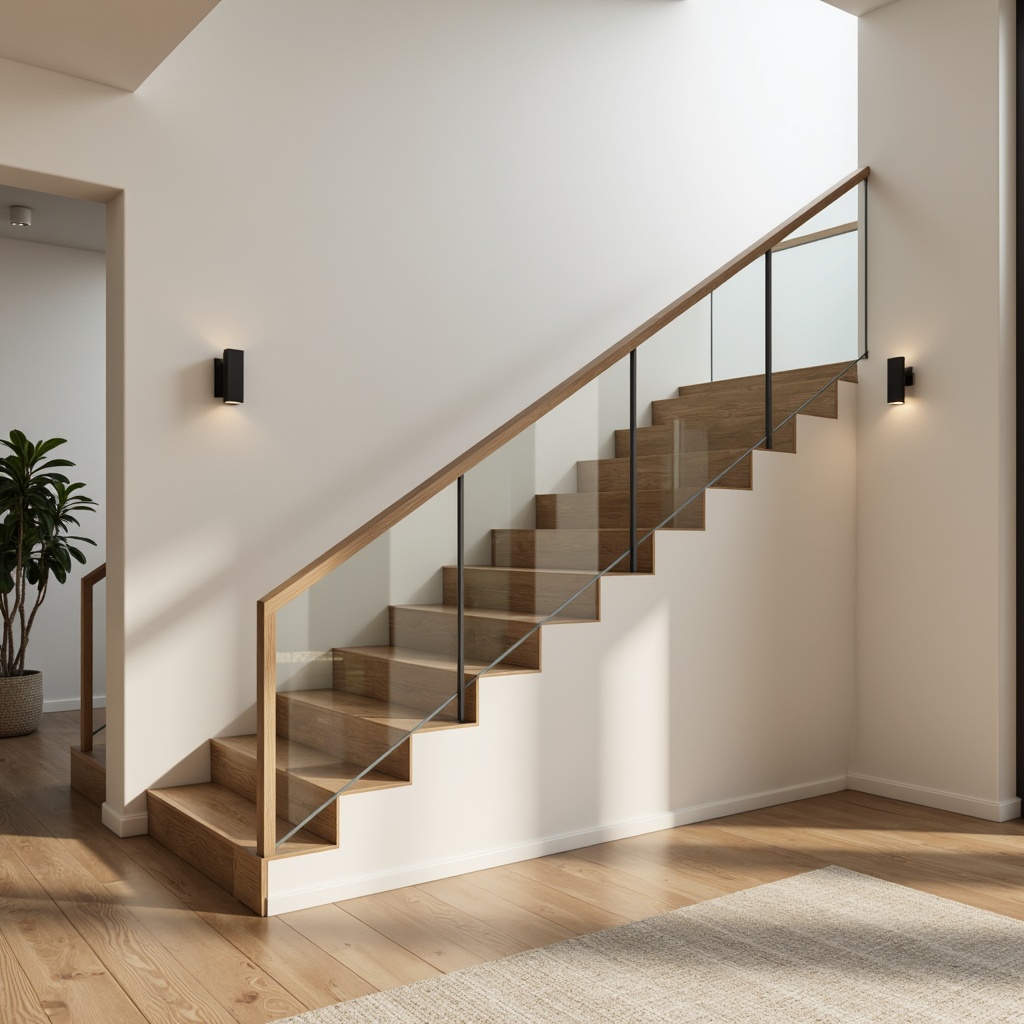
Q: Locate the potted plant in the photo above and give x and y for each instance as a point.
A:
(38, 507)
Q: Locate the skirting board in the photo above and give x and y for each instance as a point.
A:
(125, 825)
(74, 704)
(988, 810)
(283, 902)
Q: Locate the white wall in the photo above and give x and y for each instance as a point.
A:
(52, 365)
(414, 218)
(682, 704)
(935, 669)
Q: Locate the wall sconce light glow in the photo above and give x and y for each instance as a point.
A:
(21, 216)
(228, 374)
(899, 378)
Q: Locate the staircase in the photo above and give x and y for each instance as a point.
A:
(326, 737)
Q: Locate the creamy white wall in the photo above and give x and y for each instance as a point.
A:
(53, 366)
(682, 704)
(414, 218)
(935, 666)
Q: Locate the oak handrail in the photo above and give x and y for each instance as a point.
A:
(89, 580)
(268, 606)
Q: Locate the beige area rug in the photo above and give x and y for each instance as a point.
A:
(827, 946)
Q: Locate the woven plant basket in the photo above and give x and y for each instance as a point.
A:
(21, 703)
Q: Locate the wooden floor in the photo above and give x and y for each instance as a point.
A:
(106, 930)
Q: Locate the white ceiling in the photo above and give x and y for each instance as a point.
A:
(75, 223)
(113, 42)
(859, 6)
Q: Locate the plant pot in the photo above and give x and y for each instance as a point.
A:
(21, 703)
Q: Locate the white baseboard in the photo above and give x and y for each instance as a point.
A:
(71, 705)
(125, 825)
(988, 810)
(282, 902)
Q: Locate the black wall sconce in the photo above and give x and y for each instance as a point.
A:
(228, 376)
(900, 377)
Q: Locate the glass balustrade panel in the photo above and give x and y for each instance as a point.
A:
(364, 658)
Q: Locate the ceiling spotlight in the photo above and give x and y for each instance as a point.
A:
(21, 216)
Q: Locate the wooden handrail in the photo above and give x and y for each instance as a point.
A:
(89, 580)
(268, 606)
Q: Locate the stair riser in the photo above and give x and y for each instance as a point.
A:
(666, 439)
(295, 797)
(344, 736)
(658, 472)
(561, 549)
(611, 510)
(485, 639)
(529, 593)
(653, 473)
(745, 399)
(734, 435)
(413, 686)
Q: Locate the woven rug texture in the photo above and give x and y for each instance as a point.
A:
(827, 946)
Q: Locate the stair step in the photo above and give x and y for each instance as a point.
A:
(214, 830)
(677, 437)
(306, 777)
(89, 773)
(489, 633)
(722, 400)
(593, 549)
(353, 728)
(532, 591)
(592, 509)
(688, 473)
(421, 680)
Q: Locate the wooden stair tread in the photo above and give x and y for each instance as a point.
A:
(396, 716)
(526, 618)
(314, 766)
(232, 817)
(582, 573)
(432, 659)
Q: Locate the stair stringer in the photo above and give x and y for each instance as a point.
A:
(722, 683)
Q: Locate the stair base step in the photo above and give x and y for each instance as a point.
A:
(214, 830)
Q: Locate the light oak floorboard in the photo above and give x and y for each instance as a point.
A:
(95, 929)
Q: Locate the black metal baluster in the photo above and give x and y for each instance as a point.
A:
(864, 268)
(632, 462)
(768, 349)
(461, 597)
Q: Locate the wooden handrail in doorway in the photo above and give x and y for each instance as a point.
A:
(89, 580)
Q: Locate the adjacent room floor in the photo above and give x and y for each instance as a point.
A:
(99, 929)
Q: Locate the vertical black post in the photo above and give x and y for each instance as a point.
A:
(864, 265)
(632, 462)
(768, 349)
(461, 597)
